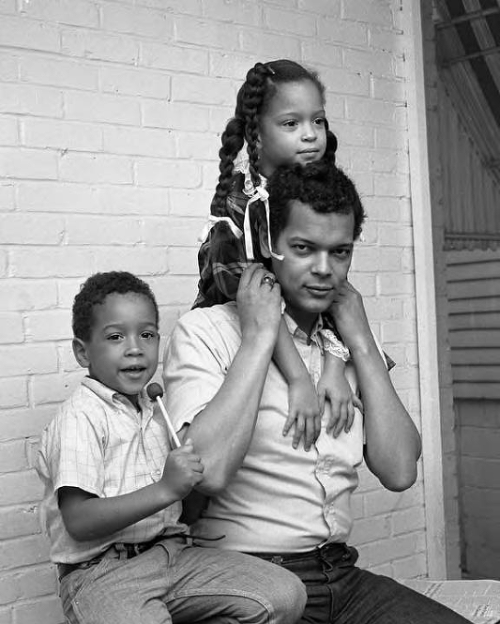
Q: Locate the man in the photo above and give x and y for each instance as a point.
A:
(288, 505)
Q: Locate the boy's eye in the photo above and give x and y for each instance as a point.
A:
(114, 337)
(148, 335)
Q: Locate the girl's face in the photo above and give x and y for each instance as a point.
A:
(292, 129)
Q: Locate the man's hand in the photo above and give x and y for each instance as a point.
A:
(259, 304)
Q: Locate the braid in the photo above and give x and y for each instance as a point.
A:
(232, 141)
(252, 96)
(331, 146)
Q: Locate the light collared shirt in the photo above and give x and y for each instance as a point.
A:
(281, 499)
(100, 443)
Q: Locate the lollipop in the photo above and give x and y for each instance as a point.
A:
(155, 392)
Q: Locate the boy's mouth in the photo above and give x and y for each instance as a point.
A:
(133, 369)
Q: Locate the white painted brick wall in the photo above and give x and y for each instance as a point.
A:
(110, 118)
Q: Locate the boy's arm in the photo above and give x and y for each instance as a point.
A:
(303, 403)
(88, 517)
(392, 440)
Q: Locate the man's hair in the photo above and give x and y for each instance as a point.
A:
(323, 187)
(95, 290)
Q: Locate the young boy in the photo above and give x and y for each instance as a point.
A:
(113, 489)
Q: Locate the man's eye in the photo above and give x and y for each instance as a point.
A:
(342, 253)
(301, 248)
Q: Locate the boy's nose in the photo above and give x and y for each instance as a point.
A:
(133, 346)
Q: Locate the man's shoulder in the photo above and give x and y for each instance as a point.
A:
(222, 315)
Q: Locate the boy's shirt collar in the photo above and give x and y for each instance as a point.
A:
(113, 397)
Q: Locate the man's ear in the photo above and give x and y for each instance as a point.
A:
(80, 352)
(263, 242)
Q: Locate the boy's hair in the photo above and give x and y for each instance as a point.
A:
(323, 187)
(95, 290)
(261, 84)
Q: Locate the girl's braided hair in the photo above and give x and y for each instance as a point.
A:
(260, 85)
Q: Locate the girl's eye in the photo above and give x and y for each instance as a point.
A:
(320, 121)
(290, 123)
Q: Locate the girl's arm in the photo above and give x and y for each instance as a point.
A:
(334, 387)
(303, 411)
(88, 517)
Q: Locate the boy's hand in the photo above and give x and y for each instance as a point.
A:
(183, 470)
(342, 403)
(303, 412)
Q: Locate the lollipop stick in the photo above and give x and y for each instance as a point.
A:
(175, 439)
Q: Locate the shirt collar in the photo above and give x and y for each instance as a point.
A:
(295, 330)
(112, 397)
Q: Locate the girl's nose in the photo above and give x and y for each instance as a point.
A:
(309, 133)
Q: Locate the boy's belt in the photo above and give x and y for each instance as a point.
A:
(122, 551)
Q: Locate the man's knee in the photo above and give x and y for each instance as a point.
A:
(290, 597)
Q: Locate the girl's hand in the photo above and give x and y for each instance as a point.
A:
(342, 403)
(303, 412)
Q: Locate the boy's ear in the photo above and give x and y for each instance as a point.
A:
(263, 242)
(80, 352)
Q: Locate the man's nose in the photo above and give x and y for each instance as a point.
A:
(322, 265)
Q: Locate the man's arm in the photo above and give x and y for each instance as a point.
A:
(222, 431)
(392, 440)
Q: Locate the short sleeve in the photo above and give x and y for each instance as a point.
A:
(196, 361)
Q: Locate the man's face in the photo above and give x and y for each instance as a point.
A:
(122, 352)
(317, 250)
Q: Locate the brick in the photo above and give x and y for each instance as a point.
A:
(172, 231)
(323, 7)
(396, 548)
(174, 116)
(68, 362)
(369, 11)
(219, 117)
(389, 90)
(9, 135)
(135, 81)
(384, 501)
(17, 423)
(13, 456)
(410, 567)
(63, 135)
(27, 295)
(195, 203)
(225, 65)
(99, 46)
(6, 196)
(373, 112)
(353, 135)
(288, 21)
(408, 520)
(190, 145)
(394, 185)
(51, 389)
(57, 197)
(173, 290)
(205, 33)
(95, 168)
(9, 67)
(49, 325)
(28, 163)
(145, 22)
(139, 141)
(168, 318)
(185, 60)
(30, 229)
(13, 392)
(30, 583)
(321, 55)
(94, 230)
(6, 615)
(47, 610)
(367, 530)
(202, 89)
(58, 73)
(21, 32)
(51, 262)
(234, 11)
(268, 43)
(342, 31)
(380, 63)
(138, 260)
(19, 521)
(27, 359)
(116, 109)
(177, 174)
(72, 12)
(12, 328)
(396, 284)
(19, 487)
(183, 261)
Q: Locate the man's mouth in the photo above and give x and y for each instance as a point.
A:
(320, 291)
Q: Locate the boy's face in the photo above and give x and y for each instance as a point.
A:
(122, 352)
(317, 250)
